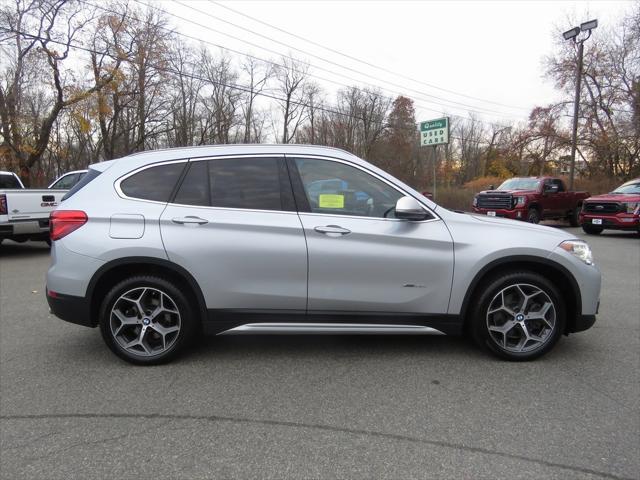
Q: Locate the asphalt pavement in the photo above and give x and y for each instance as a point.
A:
(318, 407)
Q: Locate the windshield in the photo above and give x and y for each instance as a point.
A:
(629, 187)
(520, 184)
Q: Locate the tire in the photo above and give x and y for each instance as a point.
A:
(48, 241)
(591, 230)
(519, 316)
(165, 327)
(574, 216)
(533, 215)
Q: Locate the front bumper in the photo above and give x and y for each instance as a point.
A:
(620, 221)
(515, 214)
(70, 308)
(582, 323)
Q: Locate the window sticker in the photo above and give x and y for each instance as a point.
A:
(330, 201)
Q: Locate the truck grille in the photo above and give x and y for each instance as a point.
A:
(601, 207)
(494, 201)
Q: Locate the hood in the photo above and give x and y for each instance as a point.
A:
(508, 192)
(615, 197)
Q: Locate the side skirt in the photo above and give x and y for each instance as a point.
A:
(244, 322)
(330, 329)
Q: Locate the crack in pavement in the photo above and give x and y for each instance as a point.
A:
(314, 426)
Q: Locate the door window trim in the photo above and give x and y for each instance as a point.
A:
(297, 184)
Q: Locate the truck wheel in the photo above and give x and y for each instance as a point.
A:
(533, 216)
(147, 320)
(591, 229)
(518, 316)
(574, 216)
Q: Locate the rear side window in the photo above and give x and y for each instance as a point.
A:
(250, 183)
(9, 181)
(65, 182)
(154, 183)
(91, 174)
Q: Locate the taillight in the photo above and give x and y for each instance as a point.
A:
(3, 204)
(63, 222)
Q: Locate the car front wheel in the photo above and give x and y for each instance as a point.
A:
(533, 216)
(146, 320)
(518, 316)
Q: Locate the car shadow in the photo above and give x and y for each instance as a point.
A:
(12, 249)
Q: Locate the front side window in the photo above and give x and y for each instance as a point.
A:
(154, 183)
(336, 188)
(247, 183)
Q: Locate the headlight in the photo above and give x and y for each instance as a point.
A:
(475, 201)
(631, 207)
(580, 249)
(520, 200)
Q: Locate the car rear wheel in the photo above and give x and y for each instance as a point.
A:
(518, 316)
(146, 320)
(533, 216)
(592, 230)
(574, 216)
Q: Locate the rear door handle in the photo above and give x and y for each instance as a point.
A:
(332, 230)
(189, 220)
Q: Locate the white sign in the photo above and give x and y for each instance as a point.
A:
(434, 132)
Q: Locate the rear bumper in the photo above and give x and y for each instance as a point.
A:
(515, 214)
(70, 308)
(621, 221)
(24, 228)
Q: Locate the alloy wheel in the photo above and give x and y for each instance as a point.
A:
(145, 321)
(521, 318)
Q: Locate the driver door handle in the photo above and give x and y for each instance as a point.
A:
(189, 220)
(332, 230)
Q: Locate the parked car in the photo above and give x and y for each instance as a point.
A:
(67, 180)
(532, 199)
(618, 210)
(24, 213)
(157, 246)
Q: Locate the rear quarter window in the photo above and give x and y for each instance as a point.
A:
(91, 174)
(153, 183)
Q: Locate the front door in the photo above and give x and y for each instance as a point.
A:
(361, 258)
(233, 226)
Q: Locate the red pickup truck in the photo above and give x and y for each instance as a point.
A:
(531, 199)
(618, 210)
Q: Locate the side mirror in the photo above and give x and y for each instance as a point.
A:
(408, 208)
(491, 187)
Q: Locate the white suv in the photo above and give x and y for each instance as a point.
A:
(241, 239)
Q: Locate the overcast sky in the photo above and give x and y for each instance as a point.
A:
(445, 52)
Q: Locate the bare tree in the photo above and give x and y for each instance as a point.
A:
(291, 79)
(258, 74)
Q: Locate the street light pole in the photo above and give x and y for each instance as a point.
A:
(573, 35)
(576, 111)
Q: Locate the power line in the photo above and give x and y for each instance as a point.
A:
(259, 58)
(440, 112)
(242, 88)
(470, 108)
(364, 62)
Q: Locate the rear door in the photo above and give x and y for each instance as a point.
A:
(362, 260)
(232, 224)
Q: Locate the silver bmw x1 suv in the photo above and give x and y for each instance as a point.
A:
(248, 239)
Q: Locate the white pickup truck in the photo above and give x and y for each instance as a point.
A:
(24, 213)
